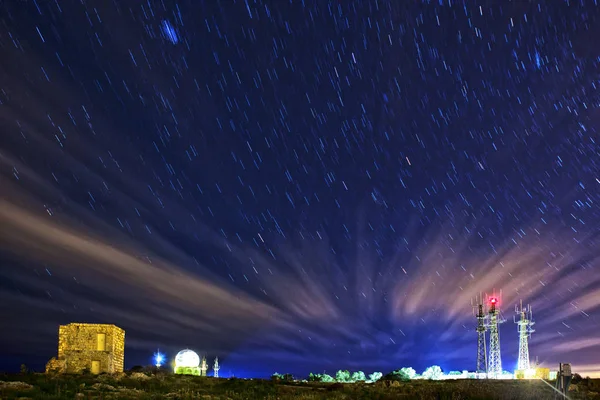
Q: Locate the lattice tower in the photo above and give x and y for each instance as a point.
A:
(216, 367)
(495, 358)
(479, 311)
(203, 366)
(525, 324)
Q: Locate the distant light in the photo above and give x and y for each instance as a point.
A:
(158, 359)
(493, 300)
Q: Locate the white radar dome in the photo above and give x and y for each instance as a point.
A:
(187, 359)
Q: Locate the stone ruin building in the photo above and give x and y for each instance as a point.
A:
(95, 348)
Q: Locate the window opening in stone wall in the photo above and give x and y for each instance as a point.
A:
(101, 342)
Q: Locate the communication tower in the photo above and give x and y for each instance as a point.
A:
(525, 324)
(480, 314)
(495, 359)
(203, 366)
(216, 367)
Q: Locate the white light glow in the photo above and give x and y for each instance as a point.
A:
(158, 359)
(187, 359)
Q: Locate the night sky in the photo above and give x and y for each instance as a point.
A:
(300, 186)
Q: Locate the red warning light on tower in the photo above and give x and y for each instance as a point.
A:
(493, 300)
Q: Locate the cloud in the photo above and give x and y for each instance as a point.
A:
(40, 238)
(304, 295)
(586, 370)
(576, 344)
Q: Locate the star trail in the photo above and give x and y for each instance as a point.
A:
(300, 185)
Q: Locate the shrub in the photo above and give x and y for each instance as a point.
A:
(433, 373)
(375, 376)
(315, 377)
(358, 376)
(404, 374)
(282, 377)
(276, 377)
(136, 368)
(343, 376)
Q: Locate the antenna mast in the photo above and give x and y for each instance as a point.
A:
(216, 368)
(525, 324)
(495, 359)
(203, 366)
(480, 314)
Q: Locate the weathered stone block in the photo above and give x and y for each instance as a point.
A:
(96, 348)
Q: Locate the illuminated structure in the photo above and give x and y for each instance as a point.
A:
(216, 367)
(158, 359)
(186, 363)
(495, 359)
(481, 329)
(96, 348)
(203, 367)
(525, 324)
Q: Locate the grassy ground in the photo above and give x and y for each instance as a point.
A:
(141, 386)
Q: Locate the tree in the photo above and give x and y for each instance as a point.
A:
(375, 376)
(404, 374)
(433, 373)
(327, 378)
(408, 373)
(358, 376)
(315, 377)
(288, 377)
(276, 377)
(342, 376)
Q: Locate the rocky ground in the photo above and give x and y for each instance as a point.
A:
(138, 385)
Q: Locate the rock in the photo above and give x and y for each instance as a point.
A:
(15, 385)
(126, 393)
(139, 376)
(103, 386)
(118, 376)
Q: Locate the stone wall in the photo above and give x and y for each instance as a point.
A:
(78, 347)
(56, 366)
(118, 349)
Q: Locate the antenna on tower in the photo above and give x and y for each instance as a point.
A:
(525, 323)
(495, 319)
(216, 368)
(479, 311)
(203, 366)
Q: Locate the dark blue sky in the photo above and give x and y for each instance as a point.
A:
(300, 186)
